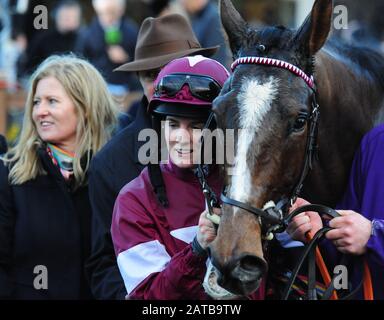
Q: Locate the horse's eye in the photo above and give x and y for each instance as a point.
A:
(300, 123)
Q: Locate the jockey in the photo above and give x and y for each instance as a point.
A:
(360, 229)
(161, 248)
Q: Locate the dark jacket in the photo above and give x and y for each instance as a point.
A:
(364, 194)
(92, 45)
(43, 222)
(45, 44)
(111, 169)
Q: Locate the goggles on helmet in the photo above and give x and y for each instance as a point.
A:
(202, 87)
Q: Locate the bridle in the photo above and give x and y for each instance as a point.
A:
(274, 218)
(271, 217)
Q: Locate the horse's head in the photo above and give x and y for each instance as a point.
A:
(271, 104)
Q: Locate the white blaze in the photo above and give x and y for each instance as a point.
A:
(255, 101)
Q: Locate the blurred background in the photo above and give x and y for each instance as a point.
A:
(105, 33)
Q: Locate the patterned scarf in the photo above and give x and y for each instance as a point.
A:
(62, 159)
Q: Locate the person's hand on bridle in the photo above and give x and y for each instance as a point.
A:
(304, 222)
(207, 230)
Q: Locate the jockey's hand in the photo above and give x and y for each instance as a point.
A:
(351, 232)
(207, 231)
(304, 222)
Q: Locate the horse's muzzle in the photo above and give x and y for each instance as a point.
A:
(242, 276)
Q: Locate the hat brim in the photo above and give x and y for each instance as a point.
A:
(160, 61)
(182, 110)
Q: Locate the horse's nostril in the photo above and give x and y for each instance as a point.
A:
(249, 269)
(252, 263)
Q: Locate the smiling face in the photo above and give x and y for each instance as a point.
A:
(182, 137)
(54, 114)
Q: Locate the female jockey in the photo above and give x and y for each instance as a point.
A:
(161, 251)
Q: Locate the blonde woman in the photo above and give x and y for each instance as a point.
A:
(44, 206)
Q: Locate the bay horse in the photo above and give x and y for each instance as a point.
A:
(270, 96)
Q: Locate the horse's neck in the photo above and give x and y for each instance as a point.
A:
(345, 86)
(350, 104)
(351, 98)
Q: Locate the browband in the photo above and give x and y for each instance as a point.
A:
(275, 63)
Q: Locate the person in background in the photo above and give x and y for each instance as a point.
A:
(160, 41)
(22, 15)
(45, 214)
(13, 44)
(109, 42)
(359, 230)
(60, 39)
(206, 24)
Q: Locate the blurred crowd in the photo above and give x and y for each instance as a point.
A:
(105, 33)
(107, 40)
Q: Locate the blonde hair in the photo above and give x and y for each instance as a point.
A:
(95, 108)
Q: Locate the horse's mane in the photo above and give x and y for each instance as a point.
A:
(367, 59)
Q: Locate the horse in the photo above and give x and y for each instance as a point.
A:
(280, 79)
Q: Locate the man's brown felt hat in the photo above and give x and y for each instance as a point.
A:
(161, 40)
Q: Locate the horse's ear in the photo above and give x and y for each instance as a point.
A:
(313, 33)
(234, 25)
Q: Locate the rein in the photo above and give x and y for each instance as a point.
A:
(209, 195)
(314, 257)
(271, 217)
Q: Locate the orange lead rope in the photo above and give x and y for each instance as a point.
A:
(368, 287)
(323, 268)
(367, 279)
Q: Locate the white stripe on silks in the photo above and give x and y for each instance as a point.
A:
(255, 101)
(185, 234)
(138, 262)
